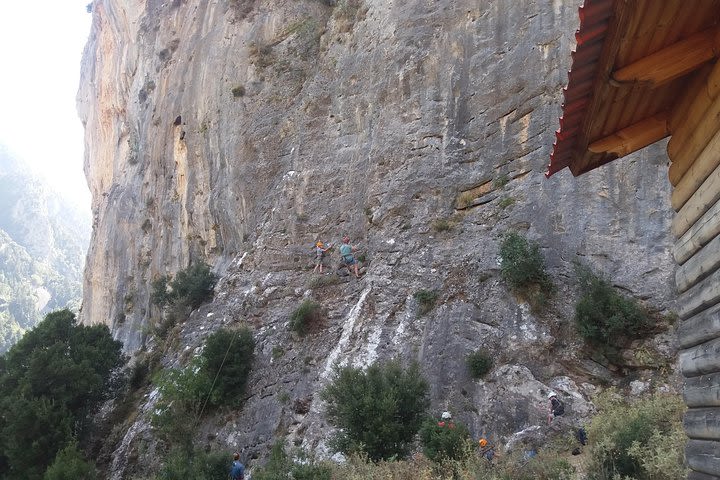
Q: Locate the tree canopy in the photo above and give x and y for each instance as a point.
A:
(49, 382)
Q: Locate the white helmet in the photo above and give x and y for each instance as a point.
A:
(446, 416)
(552, 394)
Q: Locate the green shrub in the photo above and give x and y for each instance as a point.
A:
(643, 439)
(444, 440)
(522, 266)
(70, 464)
(378, 410)
(238, 91)
(281, 467)
(603, 316)
(182, 395)
(506, 202)
(181, 464)
(304, 317)
(228, 358)
(479, 363)
(191, 287)
(441, 225)
(426, 300)
(501, 181)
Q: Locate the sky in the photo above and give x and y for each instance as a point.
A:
(41, 44)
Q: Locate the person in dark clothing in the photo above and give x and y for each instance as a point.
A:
(237, 471)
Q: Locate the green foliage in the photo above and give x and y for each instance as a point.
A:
(238, 91)
(501, 181)
(182, 464)
(49, 383)
(426, 300)
(182, 395)
(506, 202)
(281, 467)
(479, 363)
(217, 377)
(70, 464)
(378, 410)
(191, 287)
(522, 266)
(603, 316)
(304, 317)
(643, 439)
(444, 440)
(228, 358)
(441, 225)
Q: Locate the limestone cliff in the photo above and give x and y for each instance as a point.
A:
(239, 132)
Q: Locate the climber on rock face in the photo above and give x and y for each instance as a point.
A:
(346, 255)
(320, 250)
(556, 407)
(237, 471)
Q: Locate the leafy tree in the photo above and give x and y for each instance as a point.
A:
(49, 382)
(182, 464)
(190, 287)
(70, 464)
(378, 410)
(444, 440)
(281, 467)
(228, 356)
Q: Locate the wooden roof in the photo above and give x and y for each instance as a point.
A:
(634, 61)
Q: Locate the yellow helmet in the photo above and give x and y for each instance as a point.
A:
(483, 442)
(319, 244)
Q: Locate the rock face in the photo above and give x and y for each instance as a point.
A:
(241, 132)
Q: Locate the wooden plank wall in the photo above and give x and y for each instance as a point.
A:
(696, 225)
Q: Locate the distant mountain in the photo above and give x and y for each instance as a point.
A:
(43, 241)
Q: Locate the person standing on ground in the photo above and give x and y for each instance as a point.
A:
(237, 471)
(347, 257)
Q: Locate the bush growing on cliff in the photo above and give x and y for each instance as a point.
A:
(379, 410)
(479, 363)
(281, 467)
(191, 287)
(642, 439)
(522, 266)
(228, 360)
(603, 316)
(304, 317)
(444, 440)
(70, 464)
(426, 300)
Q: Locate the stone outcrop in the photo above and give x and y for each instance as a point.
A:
(240, 132)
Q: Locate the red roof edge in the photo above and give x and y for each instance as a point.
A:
(590, 36)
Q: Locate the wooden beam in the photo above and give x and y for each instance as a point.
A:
(634, 137)
(699, 171)
(702, 264)
(700, 297)
(671, 62)
(699, 235)
(701, 328)
(684, 151)
(702, 423)
(703, 456)
(694, 214)
(701, 360)
(701, 476)
(702, 391)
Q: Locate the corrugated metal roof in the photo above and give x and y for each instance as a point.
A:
(594, 23)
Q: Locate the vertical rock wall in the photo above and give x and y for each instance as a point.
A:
(241, 132)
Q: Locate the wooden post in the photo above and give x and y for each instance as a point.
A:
(698, 329)
(700, 202)
(704, 230)
(702, 359)
(702, 423)
(703, 456)
(702, 391)
(700, 265)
